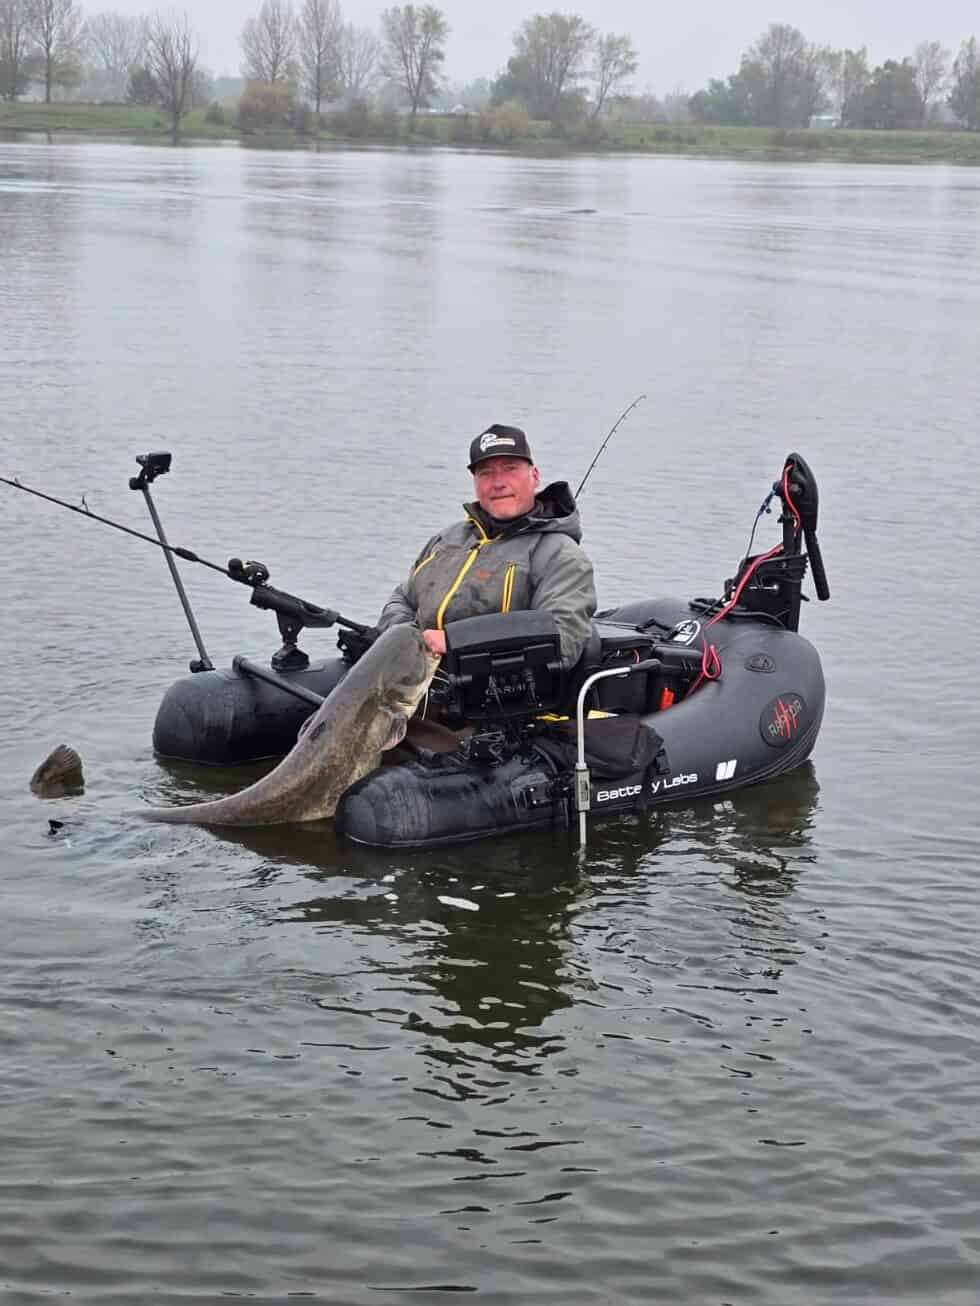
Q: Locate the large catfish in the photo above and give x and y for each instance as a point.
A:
(365, 714)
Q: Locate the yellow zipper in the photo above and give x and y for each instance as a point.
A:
(422, 564)
(486, 539)
(508, 587)
(471, 558)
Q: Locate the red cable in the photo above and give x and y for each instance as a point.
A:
(792, 506)
(710, 660)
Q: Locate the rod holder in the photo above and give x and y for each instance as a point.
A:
(153, 465)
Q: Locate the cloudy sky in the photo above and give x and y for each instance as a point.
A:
(679, 46)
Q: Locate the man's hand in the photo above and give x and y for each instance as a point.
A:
(435, 641)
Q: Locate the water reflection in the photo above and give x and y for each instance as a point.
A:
(494, 939)
(762, 835)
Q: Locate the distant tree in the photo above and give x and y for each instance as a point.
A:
(615, 60)
(717, 104)
(508, 123)
(964, 96)
(171, 63)
(202, 87)
(853, 78)
(789, 73)
(115, 46)
(891, 100)
(414, 51)
(831, 65)
(269, 44)
(473, 96)
(267, 105)
(15, 47)
(780, 83)
(547, 66)
(644, 108)
(517, 82)
(675, 107)
(931, 61)
(141, 87)
(358, 62)
(56, 27)
(318, 39)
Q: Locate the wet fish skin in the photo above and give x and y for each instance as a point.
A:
(365, 714)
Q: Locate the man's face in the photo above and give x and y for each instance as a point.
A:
(505, 487)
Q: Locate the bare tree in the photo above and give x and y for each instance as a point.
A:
(15, 43)
(550, 49)
(116, 44)
(56, 26)
(319, 31)
(358, 61)
(171, 61)
(931, 62)
(269, 44)
(414, 51)
(615, 60)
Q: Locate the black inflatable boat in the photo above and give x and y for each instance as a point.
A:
(671, 700)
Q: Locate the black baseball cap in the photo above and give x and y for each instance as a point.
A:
(499, 442)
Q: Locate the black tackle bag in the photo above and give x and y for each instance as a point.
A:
(616, 748)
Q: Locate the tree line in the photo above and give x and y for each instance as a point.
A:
(311, 53)
(294, 58)
(297, 59)
(785, 81)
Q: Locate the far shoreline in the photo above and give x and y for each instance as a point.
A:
(125, 124)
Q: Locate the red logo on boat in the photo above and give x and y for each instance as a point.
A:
(781, 719)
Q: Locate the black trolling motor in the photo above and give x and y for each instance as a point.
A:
(292, 613)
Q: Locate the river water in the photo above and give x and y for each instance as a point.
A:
(732, 1056)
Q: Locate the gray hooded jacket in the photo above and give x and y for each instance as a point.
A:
(480, 565)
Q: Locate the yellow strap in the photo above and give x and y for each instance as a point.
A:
(594, 714)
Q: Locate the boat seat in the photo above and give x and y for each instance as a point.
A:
(613, 643)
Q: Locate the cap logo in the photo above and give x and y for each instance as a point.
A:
(491, 441)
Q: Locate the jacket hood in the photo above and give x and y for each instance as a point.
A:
(554, 511)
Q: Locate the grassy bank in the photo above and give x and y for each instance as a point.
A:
(106, 120)
(479, 131)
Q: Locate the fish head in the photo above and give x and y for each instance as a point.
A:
(60, 773)
(405, 671)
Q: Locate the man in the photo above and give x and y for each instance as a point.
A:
(517, 548)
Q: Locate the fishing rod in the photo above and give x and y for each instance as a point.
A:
(292, 613)
(621, 418)
(86, 511)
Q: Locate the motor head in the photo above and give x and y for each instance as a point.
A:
(802, 485)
